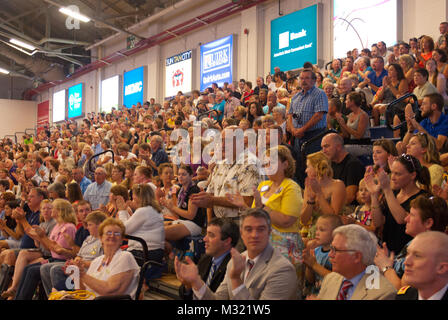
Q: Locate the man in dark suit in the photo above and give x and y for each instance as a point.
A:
(222, 235)
(426, 268)
(259, 273)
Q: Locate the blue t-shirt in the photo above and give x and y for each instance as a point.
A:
(322, 258)
(361, 79)
(377, 81)
(33, 219)
(439, 128)
(219, 107)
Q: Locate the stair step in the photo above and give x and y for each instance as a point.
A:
(167, 285)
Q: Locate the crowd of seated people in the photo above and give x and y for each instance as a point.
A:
(286, 209)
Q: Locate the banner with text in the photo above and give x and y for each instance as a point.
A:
(217, 62)
(294, 39)
(178, 73)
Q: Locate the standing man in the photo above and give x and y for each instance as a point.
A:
(307, 118)
(443, 28)
(222, 236)
(259, 273)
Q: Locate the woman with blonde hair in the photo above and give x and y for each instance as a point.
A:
(59, 239)
(323, 194)
(407, 63)
(424, 149)
(281, 198)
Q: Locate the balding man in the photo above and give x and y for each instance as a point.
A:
(97, 193)
(272, 103)
(260, 85)
(426, 268)
(346, 167)
(344, 88)
(352, 250)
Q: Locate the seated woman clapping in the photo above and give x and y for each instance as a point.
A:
(191, 218)
(116, 271)
(60, 239)
(53, 274)
(146, 223)
(30, 256)
(427, 213)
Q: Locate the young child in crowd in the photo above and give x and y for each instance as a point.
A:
(363, 213)
(334, 107)
(316, 254)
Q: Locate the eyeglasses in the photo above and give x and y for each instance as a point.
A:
(422, 134)
(333, 249)
(115, 234)
(408, 158)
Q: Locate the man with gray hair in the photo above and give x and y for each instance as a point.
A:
(354, 277)
(426, 268)
(97, 193)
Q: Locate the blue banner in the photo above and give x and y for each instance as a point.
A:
(294, 39)
(75, 97)
(217, 62)
(133, 87)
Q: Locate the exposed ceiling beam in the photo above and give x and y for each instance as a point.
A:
(107, 24)
(34, 43)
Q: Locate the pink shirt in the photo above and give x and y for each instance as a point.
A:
(57, 234)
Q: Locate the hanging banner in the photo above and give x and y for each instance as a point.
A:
(43, 115)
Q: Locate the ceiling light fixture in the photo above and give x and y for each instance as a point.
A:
(22, 44)
(4, 71)
(74, 14)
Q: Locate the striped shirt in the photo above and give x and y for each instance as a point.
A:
(305, 105)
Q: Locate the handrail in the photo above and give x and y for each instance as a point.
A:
(89, 165)
(390, 113)
(15, 134)
(34, 130)
(320, 135)
(11, 135)
(200, 115)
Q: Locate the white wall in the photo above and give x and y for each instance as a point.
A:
(17, 115)
(253, 58)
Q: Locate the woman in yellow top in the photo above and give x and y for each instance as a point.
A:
(281, 197)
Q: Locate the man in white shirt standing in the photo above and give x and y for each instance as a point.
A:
(259, 273)
(426, 268)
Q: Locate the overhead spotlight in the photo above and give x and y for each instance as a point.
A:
(4, 71)
(22, 44)
(74, 14)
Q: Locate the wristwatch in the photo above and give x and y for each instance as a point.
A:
(385, 269)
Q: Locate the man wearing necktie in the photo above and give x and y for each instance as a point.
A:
(222, 235)
(259, 273)
(352, 250)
